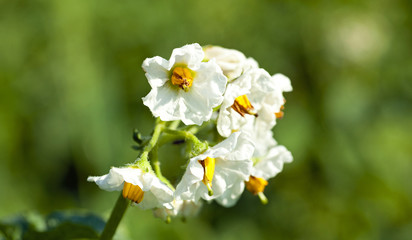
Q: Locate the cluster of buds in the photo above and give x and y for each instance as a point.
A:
(211, 89)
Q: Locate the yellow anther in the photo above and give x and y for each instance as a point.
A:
(243, 106)
(182, 77)
(256, 185)
(209, 170)
(132, 192)
(280, 114)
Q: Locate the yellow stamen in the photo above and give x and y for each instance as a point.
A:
(280, 114)
(132, 192)
(182, 77)
(256, 185)
(209, 170)
(243, 106)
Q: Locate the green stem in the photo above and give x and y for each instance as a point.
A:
(142, 162)
(156, 165)
(198, 146)
(167, 138)
(156, 133)
(115, 217)
(174, 124)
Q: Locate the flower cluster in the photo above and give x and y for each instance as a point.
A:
(224, 95)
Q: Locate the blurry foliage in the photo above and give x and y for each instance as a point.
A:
(71, 85)
(57, 225)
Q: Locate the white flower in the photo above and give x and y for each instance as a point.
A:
(216, 173)
(268, 160)
(184, 88)
(254, 95)
(141, 187)
(268, 156)
(244, 100)
(274, 101)
(266, 167)
(232, 62)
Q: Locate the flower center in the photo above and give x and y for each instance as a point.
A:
(209, 170)
(182, 77)
(256, 185)
(132, 192)
(243, 106)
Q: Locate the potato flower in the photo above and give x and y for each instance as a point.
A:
(142, 188)
(184, 87)
(216, 171)
(254, 95)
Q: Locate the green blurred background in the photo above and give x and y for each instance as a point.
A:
(71, 89)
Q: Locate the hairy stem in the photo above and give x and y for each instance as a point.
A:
(142, 162)
(156, 165)
(198, 146)
(115, 217)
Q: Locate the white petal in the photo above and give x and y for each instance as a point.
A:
(190, 55)
(237, 147)
(157, 196)
(231, 196)
(116, 177)
(282, 82)
(224, 123)
(156, 69)
(261, 80)
(130, 175)
(195, 108)
(210, 81)
(194, 174)
(243, 148)
(272, 164)
(261, 135)
(231, 171)
(163, 102)
(231, 61)
(149, 201)
(162, 192)
(250, 63)
(267, 118)
(190, 208)
(147, 180)
(108, 182)
(219, 186)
